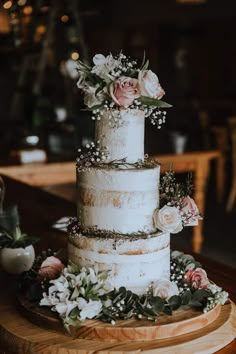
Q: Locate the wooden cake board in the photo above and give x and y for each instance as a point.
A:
(185, 332)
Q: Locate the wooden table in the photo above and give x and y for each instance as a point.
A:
(39, 210)
(43, 175)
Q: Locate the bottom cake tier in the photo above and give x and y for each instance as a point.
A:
(132, 262)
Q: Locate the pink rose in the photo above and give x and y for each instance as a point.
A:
(197, 278)
(190, 212)
(50, 268)
(124, 91)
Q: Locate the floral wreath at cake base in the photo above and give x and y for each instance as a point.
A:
(77, 294)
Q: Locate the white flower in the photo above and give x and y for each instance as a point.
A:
(92, 276)
(64, 309)
(89, 309)
(91, 98)
(214, 288)
(45, 301)
(165, 289)
(103, 66)
(149, 84)
(168, 219)
(221, 297)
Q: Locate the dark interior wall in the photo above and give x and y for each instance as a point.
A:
(192, 48)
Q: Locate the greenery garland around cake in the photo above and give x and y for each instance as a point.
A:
(77, 294)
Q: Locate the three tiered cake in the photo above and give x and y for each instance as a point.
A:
(121, 201)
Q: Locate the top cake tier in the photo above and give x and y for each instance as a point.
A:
(122, 132)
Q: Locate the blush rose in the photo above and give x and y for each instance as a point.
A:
(124, 91)
(190, 212)
(149, 85)
(197, 278)
(50, 268)
(168, 219)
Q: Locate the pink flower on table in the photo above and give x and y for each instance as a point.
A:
(50, 268)
(197, 278)
(124, 91)
(189, 212)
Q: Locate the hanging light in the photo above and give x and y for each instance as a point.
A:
(75, 55)
(7, 5)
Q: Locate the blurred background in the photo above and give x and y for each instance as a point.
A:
(192, 48)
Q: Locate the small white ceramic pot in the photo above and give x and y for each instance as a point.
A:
(17, 260)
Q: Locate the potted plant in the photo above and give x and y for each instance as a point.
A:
(16, 250)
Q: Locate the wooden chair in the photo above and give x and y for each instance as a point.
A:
(232, 194)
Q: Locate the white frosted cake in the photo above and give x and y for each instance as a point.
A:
(119, 199)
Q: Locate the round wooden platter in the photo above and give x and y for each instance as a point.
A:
(214, 330)
(180, 323)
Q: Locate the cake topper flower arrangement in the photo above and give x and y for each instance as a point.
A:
(118, 83)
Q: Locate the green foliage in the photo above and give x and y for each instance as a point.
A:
(148, 101)
(15, 238)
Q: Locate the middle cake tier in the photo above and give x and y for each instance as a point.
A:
(119, 200)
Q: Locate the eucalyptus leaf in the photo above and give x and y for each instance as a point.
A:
(158, 303)
(167, 310)
(186, 297)
(148, 101)
(200, 295)
(174, 302)
(195, 303)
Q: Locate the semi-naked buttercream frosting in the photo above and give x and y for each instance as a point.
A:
(119, 200)
(124, 135)
(133, 263)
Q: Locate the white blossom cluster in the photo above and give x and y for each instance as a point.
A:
(218, 297)
(94, 155)
(75, 295)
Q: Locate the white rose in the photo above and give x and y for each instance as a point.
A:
(168, 219)
(165, 289)
(149, 84)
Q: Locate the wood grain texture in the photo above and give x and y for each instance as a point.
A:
(18, 335)
(181, 322)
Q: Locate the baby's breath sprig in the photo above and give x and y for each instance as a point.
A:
(92, 157)
(172, 192)
(76, 229)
